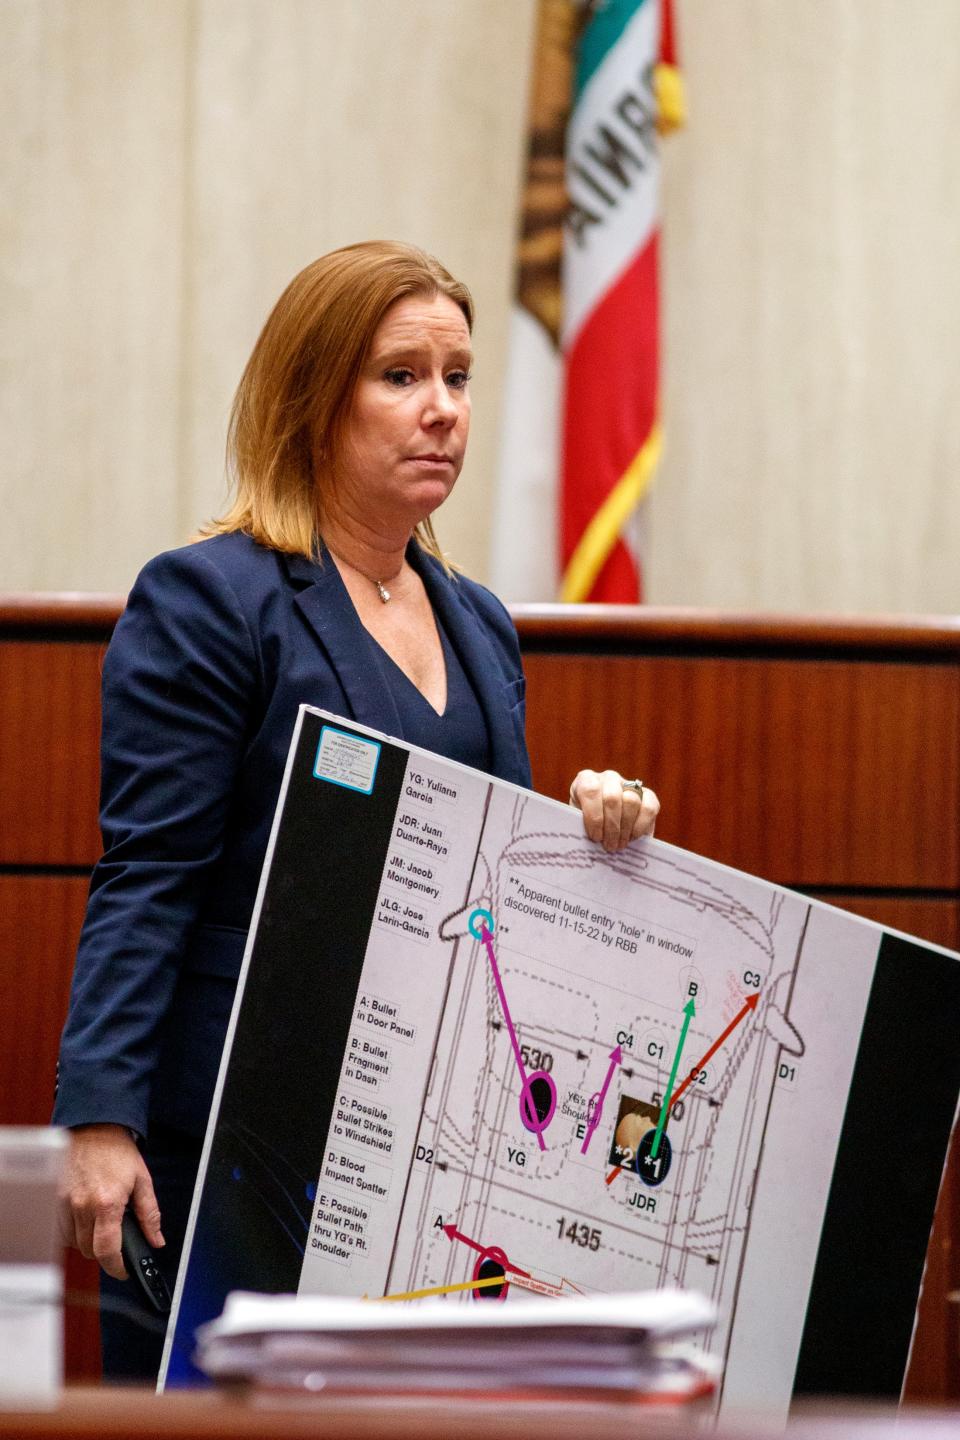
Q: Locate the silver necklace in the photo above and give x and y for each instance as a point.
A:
(382, 590)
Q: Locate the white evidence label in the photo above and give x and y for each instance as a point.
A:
(347, 760)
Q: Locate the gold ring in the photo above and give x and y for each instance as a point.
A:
(634, 785)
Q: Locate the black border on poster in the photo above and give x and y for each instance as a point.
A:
(279, 1077)
(896, 1129)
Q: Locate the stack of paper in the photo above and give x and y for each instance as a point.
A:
(616, 1345)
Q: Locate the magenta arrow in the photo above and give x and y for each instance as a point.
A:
(487, 939)
(596, 1109)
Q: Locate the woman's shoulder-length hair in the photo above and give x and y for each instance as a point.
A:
(291, 404)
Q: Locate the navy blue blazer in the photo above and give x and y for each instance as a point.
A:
(219, 644)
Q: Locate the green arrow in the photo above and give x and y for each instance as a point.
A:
(689, 1012)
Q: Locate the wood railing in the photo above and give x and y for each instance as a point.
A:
(820, 753)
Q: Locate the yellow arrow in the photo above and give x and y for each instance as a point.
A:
(443, 1289)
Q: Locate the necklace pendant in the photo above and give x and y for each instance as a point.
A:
(382, 591)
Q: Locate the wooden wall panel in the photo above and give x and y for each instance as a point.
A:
(40, 919)
(49, 741)
(816, 753)
(935, 920)
(81, 1324)
(934, 1372)
(803, 772)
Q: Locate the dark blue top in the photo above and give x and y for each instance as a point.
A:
(219, 645)
(460, 733)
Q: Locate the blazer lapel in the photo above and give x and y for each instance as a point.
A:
(478, 658)
(327, 608)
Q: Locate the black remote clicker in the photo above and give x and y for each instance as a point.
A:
(141, 1263)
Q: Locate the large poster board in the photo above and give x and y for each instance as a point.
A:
(470, 1044)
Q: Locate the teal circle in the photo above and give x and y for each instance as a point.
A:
(481, 915)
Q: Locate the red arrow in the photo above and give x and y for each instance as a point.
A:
(748, 1006)
(452, 1233)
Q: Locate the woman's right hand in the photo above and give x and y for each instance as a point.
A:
(105, 1171)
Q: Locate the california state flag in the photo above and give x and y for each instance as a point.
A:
(581, 432)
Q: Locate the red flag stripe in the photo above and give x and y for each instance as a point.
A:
(610, 407)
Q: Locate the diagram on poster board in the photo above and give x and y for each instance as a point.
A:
(600, 1078)
(548, 1070)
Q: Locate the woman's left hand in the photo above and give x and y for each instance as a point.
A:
(615, 811)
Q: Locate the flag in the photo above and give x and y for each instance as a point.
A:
(581, 426)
